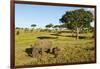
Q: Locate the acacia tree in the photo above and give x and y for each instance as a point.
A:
(77, 19)
(56, 27)
(33, 26)
(49, 26)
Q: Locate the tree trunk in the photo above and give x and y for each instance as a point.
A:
(72, 33)
(77, 33)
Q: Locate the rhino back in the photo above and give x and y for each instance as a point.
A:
(43, 43)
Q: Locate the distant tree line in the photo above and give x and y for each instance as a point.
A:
(76, 20)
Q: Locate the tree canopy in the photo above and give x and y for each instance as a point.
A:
(33, 25)
(49, 26)
(77, 19)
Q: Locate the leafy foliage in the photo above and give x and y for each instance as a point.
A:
(49, 26)
(33, 25)
(77, 19)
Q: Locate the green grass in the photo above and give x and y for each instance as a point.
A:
(72, 50)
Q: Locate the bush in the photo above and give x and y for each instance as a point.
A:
(17, 33)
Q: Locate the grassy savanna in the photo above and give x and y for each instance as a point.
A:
(71, 50)
(53, 35)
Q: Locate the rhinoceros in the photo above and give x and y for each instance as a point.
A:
(43, 46)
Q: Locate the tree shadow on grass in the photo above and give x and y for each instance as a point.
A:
(73, 36)
(47, 37)
(56, 34)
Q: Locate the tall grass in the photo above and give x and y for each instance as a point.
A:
(71, 50)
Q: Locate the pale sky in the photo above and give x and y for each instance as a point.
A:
(41, 15)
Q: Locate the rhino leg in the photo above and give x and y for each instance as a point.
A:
(35, 52)
(40, 51)
(55, 52)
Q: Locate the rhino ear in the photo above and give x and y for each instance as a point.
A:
(56, 47)
(31, 45)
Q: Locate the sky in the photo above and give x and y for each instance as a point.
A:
(41, 15)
